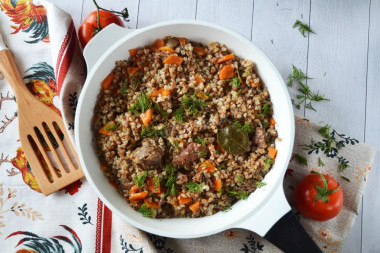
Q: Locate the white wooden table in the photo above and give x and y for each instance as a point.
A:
(343, 57)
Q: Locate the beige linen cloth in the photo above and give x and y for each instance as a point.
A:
(329, 235)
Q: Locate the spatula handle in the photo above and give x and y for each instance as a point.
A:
(9, 69)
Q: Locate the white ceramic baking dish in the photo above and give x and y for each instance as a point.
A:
(264, 207)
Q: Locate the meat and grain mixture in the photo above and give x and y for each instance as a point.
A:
(183, 129)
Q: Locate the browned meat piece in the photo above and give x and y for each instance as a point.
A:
(189, 155)
(181, 178)
(149, 154)
(260, 137)
(198, 177)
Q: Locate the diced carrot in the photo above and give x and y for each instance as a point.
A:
(138, 203)
(272, 121)
(182, 41)
(94, 119)
(151, 204)
(154, 188)
(184, 200)
(168, 49)
(194, 207)
(207, 166)
(254, 85)
(225, 58)
(132, 70)
(198, 78)
(134, 189)
(199, 50)
(272, 152)
(201, 95)
(226, 72)
(173, 59)
(146, 116)
(138, 195)
(158, 43)
(217, 184)
(104, 131)
(103, 166)
(112, 183)
(108, 81)
(161, 91)
(133, 52)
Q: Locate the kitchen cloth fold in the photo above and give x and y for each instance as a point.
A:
(43, 41)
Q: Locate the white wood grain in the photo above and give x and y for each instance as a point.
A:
(237, 17)
(371, 199)
(72, 7)
(273, 32)
(117, 5)
(152, 11)
(339, 49)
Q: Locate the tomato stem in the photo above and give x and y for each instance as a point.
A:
(124, 14)
(323, 193)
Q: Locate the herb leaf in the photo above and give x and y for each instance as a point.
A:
(194, 187)
(260, 184)
(268, 163)
(111, 126)
(236, 82)
(239, 179)
(124, 89)
(345, 178)
(194, 104)
(202, 153)
(302, 27)
(159, 109)
(170, 183)
(200, 141)
(139, 180)
(297, 75)
(227, 208)
(301, 159)
(245, 128)
(320, 162)
(266, 108)
(144, 102)
(146, 212)
(150, 131)
(240, 195)
(179, 114)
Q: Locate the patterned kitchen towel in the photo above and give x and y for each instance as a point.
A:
(74, 219)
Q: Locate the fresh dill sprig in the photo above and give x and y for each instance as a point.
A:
(268, 163)
(266, 108)
(159, 109)
(240, 195)
(200, 141)
(302, 27)
(146, 212)
(227, 208)
(320, 162)
(305, 95)
(179, 115)
(236, 82)
(170, 183)
(143, 104)
(194, 187)
(150, 131)
(301, 159)
(260, 184)
(239, 179)
(124, 90)
(202, 153)
(193, 104)
(140, 179)
(297, 76)
(245, 128)
(111, 126)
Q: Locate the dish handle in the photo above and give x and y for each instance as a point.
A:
(102, 41)
(278, 224)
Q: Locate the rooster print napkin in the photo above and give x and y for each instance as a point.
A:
(43, 41)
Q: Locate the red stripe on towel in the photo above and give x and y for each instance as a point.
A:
(107, 227)
(99, 219)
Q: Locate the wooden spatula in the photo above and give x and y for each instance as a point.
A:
(54, 168)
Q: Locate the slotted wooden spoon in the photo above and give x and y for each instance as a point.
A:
(34, 120)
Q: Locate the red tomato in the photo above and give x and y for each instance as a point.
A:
(89, 26)
(318, 197)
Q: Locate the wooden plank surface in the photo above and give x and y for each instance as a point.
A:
(343, 57)
(336, 57)
(273, 33)
(371, 199)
